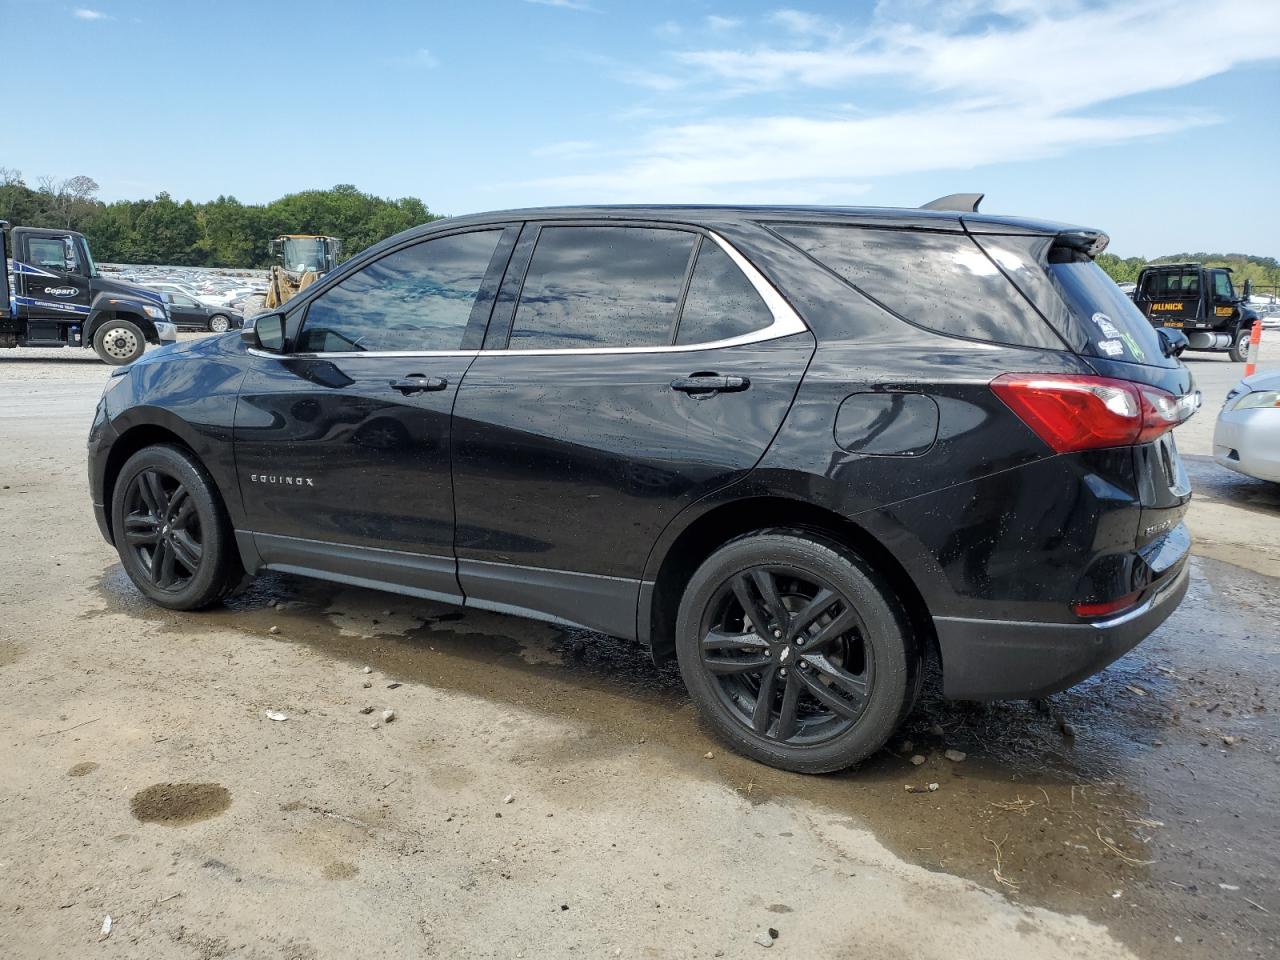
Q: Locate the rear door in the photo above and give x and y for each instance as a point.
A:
(342, 441)
(630, 369)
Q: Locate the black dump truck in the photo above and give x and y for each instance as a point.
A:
(51, 295)
(1201, 302)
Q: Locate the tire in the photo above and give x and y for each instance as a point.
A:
(119, 342)
(171, 530)
(1240, 345)
(858, 640)
(219, 323)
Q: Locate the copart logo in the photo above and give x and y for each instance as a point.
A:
(277, 478)
(62, 291)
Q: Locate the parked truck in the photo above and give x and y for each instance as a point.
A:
(1199, 301)
(51, 295)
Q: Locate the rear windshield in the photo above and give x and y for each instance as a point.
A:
(1113, 327)
(1172, 283)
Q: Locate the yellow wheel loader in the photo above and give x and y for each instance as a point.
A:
(304, 259)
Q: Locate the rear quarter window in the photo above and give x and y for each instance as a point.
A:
(940, 281)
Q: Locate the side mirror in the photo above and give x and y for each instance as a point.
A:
(1248, 288)
(1172, 342)
(265, 332)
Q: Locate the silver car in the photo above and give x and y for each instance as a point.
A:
(1247, 436)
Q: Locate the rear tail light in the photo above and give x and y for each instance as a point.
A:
(1089, 611)
(1074, 412)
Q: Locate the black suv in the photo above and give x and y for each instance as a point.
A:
(798, 448)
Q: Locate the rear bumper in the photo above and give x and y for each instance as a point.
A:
(1012, 660)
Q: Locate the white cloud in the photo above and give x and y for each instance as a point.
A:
(85, 13)
(719, 24)
(799, 22)
(423, 57)
(973, 83)
(564, 4)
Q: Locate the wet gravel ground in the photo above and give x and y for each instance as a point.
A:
(1143, 799)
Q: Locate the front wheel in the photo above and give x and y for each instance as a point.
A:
(1240, 345)
(219, 324)
(171, 529)
(796, 651)
(119, 342)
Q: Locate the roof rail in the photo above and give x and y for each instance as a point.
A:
(960, 202)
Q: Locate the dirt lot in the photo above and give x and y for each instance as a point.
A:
(550, 794)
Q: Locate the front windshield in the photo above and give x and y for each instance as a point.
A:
(304, 254)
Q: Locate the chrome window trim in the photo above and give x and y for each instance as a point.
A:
(786, 323)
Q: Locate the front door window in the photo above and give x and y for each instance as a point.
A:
(415, 299)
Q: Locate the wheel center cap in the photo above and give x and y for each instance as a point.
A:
(785, 655)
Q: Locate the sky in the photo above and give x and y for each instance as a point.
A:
(1154, 120)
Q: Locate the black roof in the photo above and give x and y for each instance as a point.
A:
(692, 213)
(1197, 264)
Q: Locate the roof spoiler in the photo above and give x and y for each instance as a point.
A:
(959, 202)
(1089, 242)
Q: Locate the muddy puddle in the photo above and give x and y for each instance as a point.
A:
(178, 804)
(1143, 798)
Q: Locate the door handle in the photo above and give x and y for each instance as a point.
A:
(417, 383)
(710, 383)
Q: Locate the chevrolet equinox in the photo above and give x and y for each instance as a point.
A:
(800, 449)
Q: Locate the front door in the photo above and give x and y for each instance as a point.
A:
(643, 370)
(50, 281)
(187, 312)
(342, 442)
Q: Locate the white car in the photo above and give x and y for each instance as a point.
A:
(1247, 436)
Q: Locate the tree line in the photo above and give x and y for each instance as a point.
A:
(1263, 271)
(220, 233)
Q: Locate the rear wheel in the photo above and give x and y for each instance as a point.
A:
(219, 324)
(796, 652)
(119, 342)
(1240, 345)
(171, 530)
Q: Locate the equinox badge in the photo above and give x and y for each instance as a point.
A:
(276, 478)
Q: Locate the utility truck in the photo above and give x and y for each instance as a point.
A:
(51, 295)
(1199, 301)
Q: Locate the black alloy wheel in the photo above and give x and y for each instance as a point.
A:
(797, 652)
(171, 529)
(162, 528)
(788, 654)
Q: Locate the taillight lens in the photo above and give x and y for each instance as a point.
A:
(1088, 611)
(1072, 412)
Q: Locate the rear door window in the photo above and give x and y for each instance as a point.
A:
(940, 281)
(589, 286)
